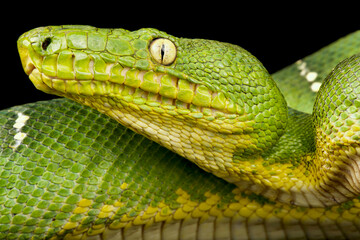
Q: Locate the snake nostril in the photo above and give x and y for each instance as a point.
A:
(46, 43)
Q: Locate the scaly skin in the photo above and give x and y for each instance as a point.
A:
(295, 175)
(300, 82)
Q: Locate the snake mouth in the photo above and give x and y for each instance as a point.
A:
(28, 65)
(34, 74)
(147, 89)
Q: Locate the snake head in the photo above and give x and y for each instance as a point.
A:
(211, 102)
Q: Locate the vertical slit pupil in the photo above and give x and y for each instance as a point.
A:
(162, 52)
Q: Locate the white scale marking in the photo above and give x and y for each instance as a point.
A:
(18, 125)
(309, 76)
(315, 86)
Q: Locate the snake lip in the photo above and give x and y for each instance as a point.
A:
(29, 67)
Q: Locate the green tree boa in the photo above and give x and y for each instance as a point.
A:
(274, 172)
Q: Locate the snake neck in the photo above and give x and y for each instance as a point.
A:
(301, 169)
(284, 172)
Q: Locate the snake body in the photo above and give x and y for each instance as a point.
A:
(271, 172)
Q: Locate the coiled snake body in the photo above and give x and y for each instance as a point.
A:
(271, 172)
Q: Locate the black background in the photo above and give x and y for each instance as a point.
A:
(276, 36)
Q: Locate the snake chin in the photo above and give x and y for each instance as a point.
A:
(29, 67)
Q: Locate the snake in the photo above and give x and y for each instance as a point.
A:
(160, 137)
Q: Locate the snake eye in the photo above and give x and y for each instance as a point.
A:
(46, 43)
(163, 51)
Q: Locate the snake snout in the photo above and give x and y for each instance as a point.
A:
(26, 44)
(31, 57)
(27, 64)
